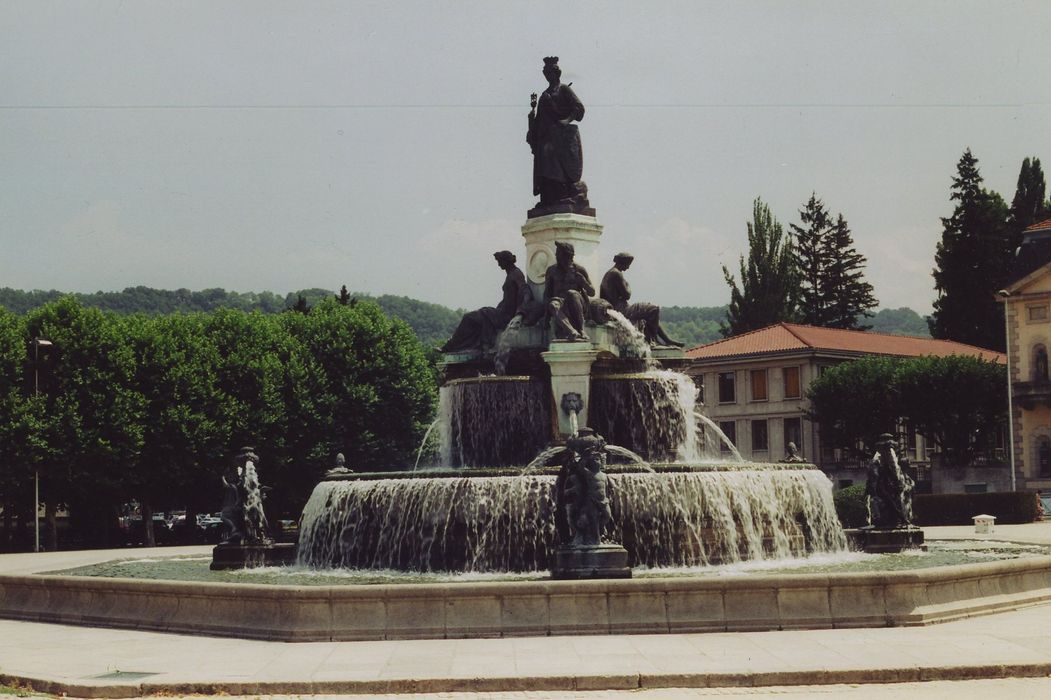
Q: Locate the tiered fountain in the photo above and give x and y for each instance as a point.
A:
(522, 382)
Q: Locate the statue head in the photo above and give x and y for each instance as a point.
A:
(247, 454)
(564, 253)
(885, 443)
(504, 258)
(623, 260)
(551, 70)
(341, 461)
(586, 441)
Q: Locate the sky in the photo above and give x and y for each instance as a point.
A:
(256, 145)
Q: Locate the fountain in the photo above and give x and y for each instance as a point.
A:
(532, 389)
(580, 379)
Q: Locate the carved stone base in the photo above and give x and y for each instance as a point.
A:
(590, 561)
(886, 541)
(252, 556)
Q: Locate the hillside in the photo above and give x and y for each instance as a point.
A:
(432, 323)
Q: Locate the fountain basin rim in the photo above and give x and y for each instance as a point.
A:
(491, 609)
(656, 467)
(491, 378)
(932, 574)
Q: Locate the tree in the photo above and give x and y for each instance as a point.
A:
(849, 295)
(855, 402)
(811, 261)
(972, 262)
(344, 297)
(957, 402)
(769, 281)
(1028, 206)
(832, 289)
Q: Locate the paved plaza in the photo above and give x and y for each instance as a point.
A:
(83, 661)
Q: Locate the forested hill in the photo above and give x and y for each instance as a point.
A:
(433, 323)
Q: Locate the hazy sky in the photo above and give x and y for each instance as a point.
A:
(274, 145)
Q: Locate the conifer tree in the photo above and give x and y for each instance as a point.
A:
(848, 296)
(1028, 206)
(810, 261)
(971, 261)
(769, 281)
(832, 289)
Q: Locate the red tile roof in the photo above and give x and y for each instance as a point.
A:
(1044, 225)
(792, 336)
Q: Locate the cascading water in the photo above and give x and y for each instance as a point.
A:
(507, 523)
(650, 413)
(493, 421)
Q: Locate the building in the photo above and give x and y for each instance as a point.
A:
(754, 387)
(1027, 303)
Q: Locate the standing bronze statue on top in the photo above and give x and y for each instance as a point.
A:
(617, 292)
(558, 158)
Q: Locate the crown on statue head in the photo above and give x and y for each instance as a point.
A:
(550, 61)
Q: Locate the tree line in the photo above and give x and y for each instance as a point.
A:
(812, 273)
(126, 407)
(432, 323)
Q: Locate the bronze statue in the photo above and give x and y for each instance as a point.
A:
(567, 289)
(558, 159)
(888, 488)
(478, 329)
(615, 290)
(585, 488)
(242, 511)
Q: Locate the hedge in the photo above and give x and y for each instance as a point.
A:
(851, 506)
(1009, 507)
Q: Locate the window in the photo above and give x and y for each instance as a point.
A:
(758, 384)
(792, 388)
(759, 437)
(729, 429)
(727, 387)
(1040, 364)
(794, 434)
(1037, 314)
(1044, 457)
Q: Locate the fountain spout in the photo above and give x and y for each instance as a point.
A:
(572, 404)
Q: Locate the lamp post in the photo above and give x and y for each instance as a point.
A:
(1004, 295)
(37, 344)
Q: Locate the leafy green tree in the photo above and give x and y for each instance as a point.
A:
(972, 262)
(832, 289)
(382, 387)
(957, 402)
(769, 281)
(854, 402)
(95, 413)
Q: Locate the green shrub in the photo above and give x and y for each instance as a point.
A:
(851, 506)
(1008, 507)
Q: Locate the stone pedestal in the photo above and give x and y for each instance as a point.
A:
(540, 234)
(252, 556)
(590, 561)
(570, 362)
(886, 541)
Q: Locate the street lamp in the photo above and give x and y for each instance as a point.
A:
(1004, 294)
(37, 344)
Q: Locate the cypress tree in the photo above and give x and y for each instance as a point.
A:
(1028, 206)
(972, 261)
(769, 281)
